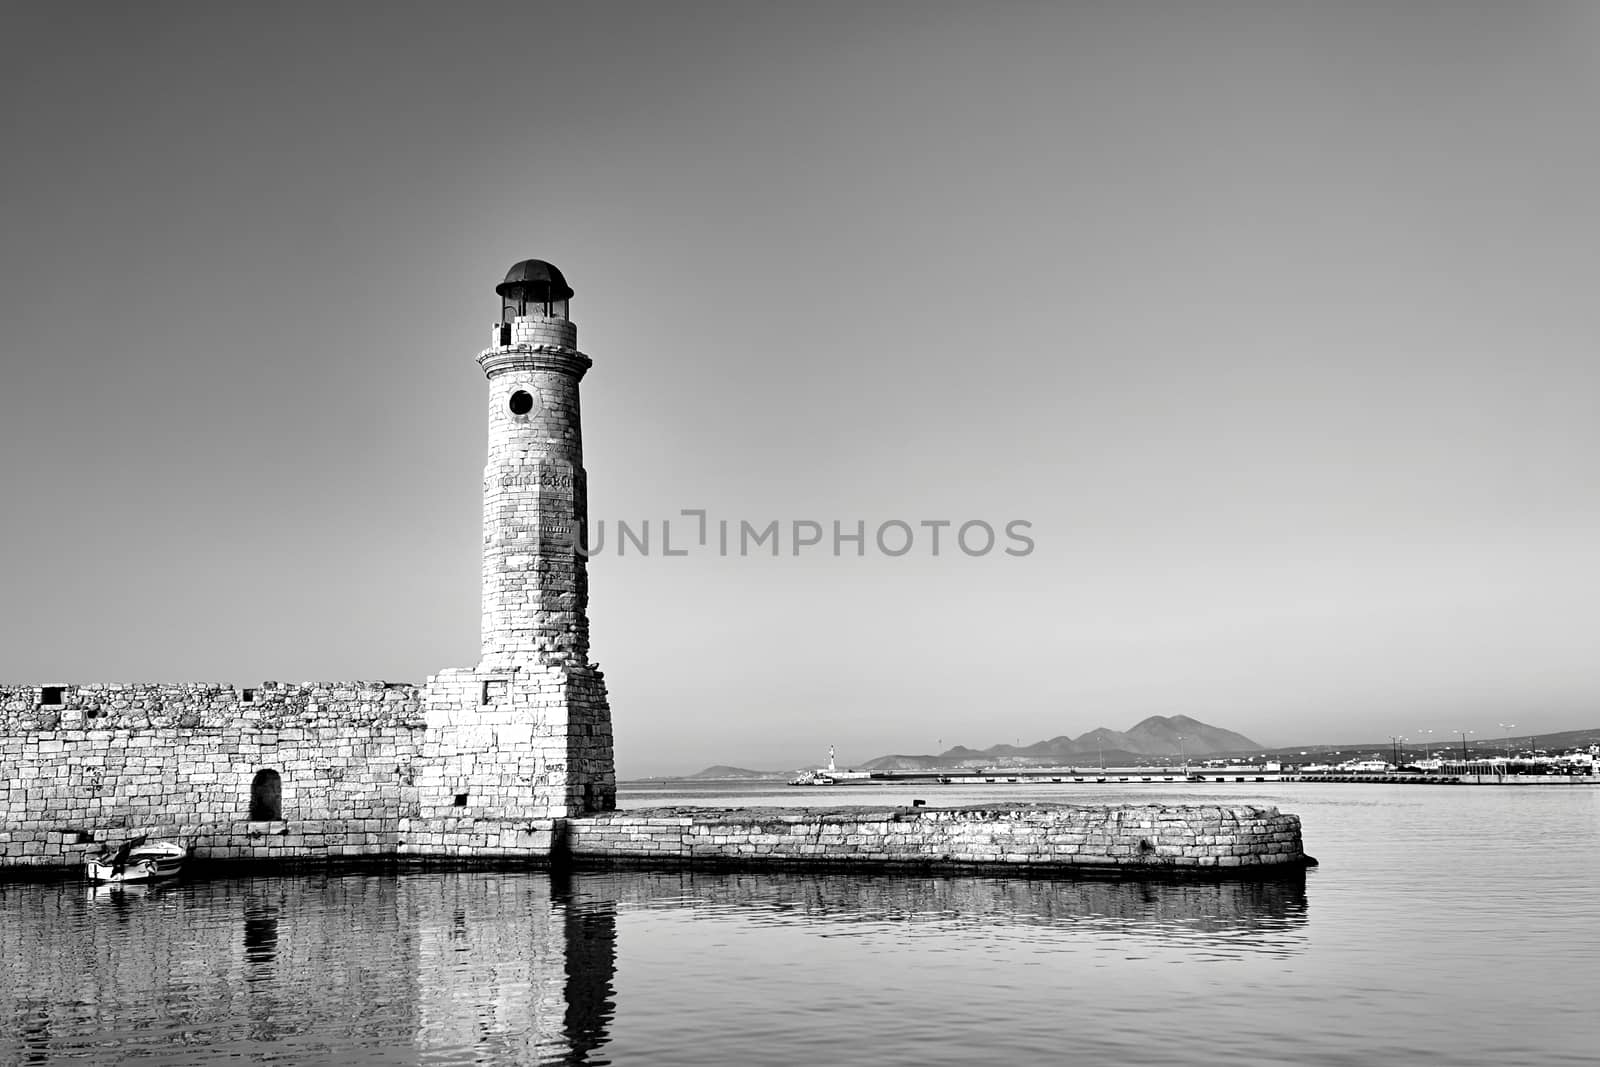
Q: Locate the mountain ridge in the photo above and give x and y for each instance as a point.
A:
(1157, 735)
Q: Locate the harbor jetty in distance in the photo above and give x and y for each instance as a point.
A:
(1487, 772)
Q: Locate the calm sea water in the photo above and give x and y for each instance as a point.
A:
(1445, 925)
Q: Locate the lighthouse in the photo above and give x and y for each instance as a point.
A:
(527, 733)
(535, 586)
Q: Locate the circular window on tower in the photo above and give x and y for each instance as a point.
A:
(521, 402)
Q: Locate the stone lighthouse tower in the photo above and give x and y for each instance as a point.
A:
(527, 734)
(535, 588)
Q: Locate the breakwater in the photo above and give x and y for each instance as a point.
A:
(1132, 839)
(1053, 836)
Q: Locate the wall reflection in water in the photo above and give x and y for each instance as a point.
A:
(1249, 916)
(481, 966)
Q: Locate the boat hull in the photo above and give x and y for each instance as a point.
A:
(147, 863)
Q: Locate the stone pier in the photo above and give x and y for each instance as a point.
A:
(1130, 839)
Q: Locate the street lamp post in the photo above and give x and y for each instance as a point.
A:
(1427, 744)
(1508, 727)
(1182, 756)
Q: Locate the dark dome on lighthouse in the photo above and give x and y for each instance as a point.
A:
(534, 281)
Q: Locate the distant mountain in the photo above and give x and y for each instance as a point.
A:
(1102, 738)
(723, 771)
(1156, 736)
(1159, 735)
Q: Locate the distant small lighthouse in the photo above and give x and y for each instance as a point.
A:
(528, 732)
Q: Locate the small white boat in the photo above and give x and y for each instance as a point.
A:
(138, 861)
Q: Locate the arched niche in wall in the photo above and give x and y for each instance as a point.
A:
(266, 796)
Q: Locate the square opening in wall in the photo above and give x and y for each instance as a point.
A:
(461, 800)
(249, 696)
(494, 690)
(50, 694)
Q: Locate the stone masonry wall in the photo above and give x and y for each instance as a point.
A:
(1131, 837)
(145, 705)
(529, 742)
(108, 762)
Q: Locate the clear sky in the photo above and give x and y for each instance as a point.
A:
(1277, 321)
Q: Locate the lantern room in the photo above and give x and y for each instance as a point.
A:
(533, 288)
